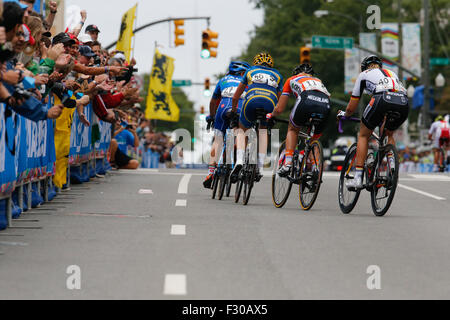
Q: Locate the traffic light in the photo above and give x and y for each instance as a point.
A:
(208, 42)
(305, 55)
(207, 91)
(202, 110)
(179, 32)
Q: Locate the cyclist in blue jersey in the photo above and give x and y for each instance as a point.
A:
(219, 106)
(264, 85)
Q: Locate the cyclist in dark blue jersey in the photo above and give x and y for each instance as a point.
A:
(264, 86)
(220, 105)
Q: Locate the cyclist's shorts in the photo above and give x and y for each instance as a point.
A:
(311, 104)
(221, 122)
(380, 104)
(252, 102)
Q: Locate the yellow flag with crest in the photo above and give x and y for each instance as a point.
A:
(160, 103)
(126, 32)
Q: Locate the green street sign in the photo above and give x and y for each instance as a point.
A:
(181, 83)
(326, 42)
(439, 61)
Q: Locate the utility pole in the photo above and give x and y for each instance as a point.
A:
(426, 66)
(400, 71)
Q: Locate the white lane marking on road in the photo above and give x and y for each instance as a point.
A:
(181, 203)
(19, 244)
(421, 192)
(175, 284)
(433, 177)
(145, 191)
(184, 184)
(178, 230)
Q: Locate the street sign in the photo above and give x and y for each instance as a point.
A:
(181, 83)
(326, 42)
(439, 61)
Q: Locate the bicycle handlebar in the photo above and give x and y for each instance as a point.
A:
(342, 119)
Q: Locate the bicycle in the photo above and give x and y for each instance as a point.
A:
(306, 170)
(221, 177)
(248, 174)
(381, 179)
(442, 153)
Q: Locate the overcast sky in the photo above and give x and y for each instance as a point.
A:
(232, 19)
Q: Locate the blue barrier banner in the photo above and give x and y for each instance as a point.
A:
(102, 145)
(37, 151)
(80, 138)
(8, 174)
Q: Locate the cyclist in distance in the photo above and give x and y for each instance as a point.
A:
(264, 85)
(219, 106)
(388, 94)
(440, 135)
(312, 97)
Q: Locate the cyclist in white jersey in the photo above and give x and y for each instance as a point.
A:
(440, 135)
(388, 94)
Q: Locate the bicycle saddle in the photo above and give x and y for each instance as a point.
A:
(260, 113)
(393, 115)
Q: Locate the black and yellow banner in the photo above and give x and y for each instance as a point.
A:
(160, 103)
(126, 32)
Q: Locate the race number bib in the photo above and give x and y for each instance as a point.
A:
(263, 78)
(386, 84)
(229, 92)
(310, 85)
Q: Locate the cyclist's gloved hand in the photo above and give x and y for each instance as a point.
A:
(269, 116)
(341, 114)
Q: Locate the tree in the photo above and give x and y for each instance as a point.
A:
(289, 25)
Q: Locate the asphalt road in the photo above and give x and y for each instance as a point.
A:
(158, 235)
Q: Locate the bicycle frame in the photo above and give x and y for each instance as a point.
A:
(370, 176)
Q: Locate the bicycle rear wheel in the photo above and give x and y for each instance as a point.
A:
(239, 183)
(229, 184)
(215, 184)
(386, 179)
(442, 156)
(311, 171)
(249, 181)
(222, 183)
(347, 198)
(281, 186)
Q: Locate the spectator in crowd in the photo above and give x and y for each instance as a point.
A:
(36, 66)
(93, 31)
(124, 136)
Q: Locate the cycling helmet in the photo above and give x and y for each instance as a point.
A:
(236, 67)
(303, 68)
(263, 59)
(370, 60)
(439, 118)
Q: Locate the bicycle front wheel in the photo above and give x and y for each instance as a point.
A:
(311, 171)
(347, 198)
(386, 179)
(281, 186)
